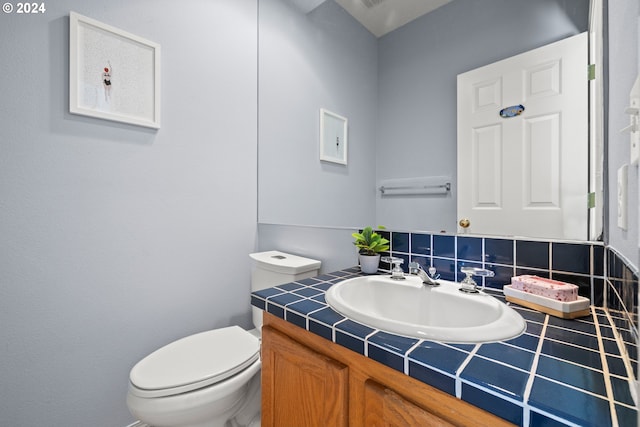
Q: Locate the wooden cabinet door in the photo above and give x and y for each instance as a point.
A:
(386, 408)
(301, 388)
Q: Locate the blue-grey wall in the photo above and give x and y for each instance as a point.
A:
(623, 44)
(333, 246)
(321, 59)
(118, 239)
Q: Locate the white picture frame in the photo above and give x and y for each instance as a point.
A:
(333, 137)
(113, 75)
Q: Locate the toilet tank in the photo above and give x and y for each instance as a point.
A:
(276, 268)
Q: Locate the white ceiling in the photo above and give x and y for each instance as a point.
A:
(383, 16)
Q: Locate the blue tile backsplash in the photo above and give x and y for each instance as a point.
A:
(559, 372)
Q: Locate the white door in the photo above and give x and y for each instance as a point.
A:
(526, 175)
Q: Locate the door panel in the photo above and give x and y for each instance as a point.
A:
(301, 388)
(386, 408)
(487, 167)
(526, 175)
(542, 162)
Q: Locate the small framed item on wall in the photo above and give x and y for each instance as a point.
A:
(113, 75)
(333, 137)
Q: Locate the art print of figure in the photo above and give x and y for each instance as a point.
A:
(106, 81)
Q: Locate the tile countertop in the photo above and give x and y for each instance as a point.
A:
(559, 372)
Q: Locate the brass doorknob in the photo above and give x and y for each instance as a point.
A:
(464, 223)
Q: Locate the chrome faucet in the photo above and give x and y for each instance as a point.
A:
(416, 269)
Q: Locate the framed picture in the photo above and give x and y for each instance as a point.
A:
(113, 75)
(333, 137)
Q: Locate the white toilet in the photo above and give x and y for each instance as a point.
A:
(212, 379)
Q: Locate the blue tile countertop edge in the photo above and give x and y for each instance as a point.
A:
(558, 373)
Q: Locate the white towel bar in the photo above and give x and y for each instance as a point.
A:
(410, 186)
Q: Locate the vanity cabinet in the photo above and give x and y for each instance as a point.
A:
(301, 387)
(309, 381)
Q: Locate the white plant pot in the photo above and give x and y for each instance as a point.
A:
(369, 263)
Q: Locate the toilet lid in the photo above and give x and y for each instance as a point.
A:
(196, 361)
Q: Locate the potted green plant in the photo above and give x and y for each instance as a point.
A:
(370, 244)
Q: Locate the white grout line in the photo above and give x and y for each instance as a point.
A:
(334, 329)
(625, 358)
(550, 260)
(526, 413)
(406, 356)
(605, 367)
(463, 365)
(592, 279)
(456, 277)
(366, 343)
(308, 315)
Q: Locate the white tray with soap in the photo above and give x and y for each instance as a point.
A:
(562, 309)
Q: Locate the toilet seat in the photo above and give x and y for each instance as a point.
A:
(194, 362)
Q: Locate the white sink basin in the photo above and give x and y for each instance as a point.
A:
(441, 313)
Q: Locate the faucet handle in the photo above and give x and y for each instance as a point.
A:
(469, 285)
(396, 272)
